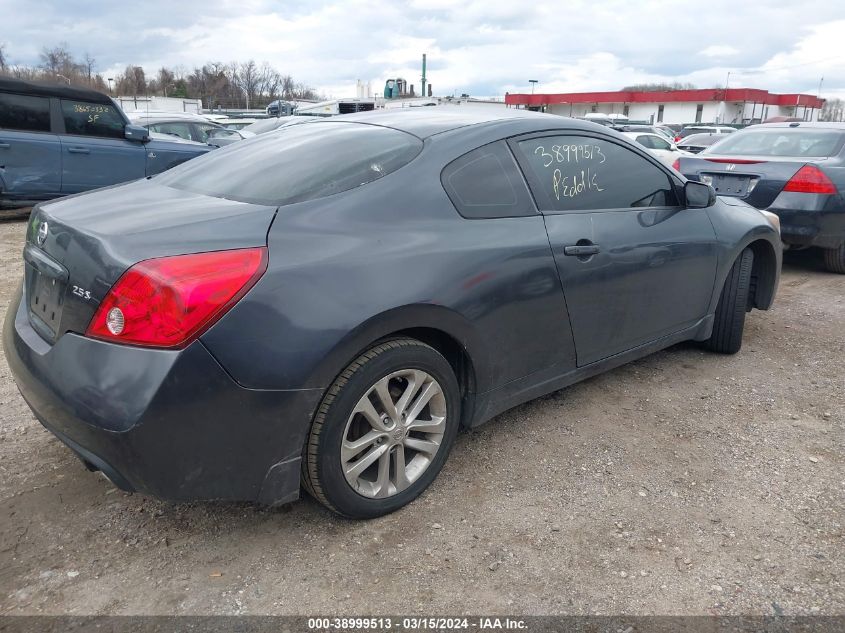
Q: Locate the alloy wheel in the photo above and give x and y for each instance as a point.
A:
(393, 433)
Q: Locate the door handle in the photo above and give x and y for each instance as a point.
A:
(581, 250)
(78, 150)
(4, 145)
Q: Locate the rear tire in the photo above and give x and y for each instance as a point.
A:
(834, 259)
(733, 302)
(365, 458)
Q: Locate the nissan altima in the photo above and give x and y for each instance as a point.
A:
(324, 306)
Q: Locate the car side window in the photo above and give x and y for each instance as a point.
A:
(205, 132)
(92, 119)
(659, 143)
(486, 183)
(584, 173)
(182, 130)
(646, 141)
(24, 112)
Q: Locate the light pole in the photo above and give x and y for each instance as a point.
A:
(533, 83)
(111, 79)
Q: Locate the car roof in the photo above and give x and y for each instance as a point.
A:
(814, 125)
(425, 122)
(635, 133)
(45, 89)
(162, 118)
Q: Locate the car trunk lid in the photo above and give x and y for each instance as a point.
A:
(755, 179)
(77, 247)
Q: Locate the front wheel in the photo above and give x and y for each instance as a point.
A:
(733, 302)
(834, 259)
(383, 430)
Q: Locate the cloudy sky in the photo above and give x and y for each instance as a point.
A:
(484, 48)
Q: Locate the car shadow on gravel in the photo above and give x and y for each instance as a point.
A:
(804, 261)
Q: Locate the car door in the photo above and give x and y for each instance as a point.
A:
(30, 153)
(635, 266)
(95, 152)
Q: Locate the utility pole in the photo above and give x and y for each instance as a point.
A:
(422, 87)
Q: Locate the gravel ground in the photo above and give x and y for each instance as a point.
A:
(685, 483)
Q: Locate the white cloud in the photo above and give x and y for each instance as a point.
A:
(484, 47)
(720, 50)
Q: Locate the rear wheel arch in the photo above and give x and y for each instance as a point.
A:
(457, 355)
(447, 331)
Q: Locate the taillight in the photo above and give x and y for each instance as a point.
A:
(810, 179)
(170, 301)
(677, 139)
(677, 164)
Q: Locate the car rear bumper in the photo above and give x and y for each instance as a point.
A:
(172, 424)
(809, 220)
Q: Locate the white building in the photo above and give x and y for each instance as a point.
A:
(735, 105)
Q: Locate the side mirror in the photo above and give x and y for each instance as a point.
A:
(136, 133)
(673, 147)
(698, 195)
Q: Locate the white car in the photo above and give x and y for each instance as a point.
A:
(663, 149)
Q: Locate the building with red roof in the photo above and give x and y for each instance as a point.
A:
(734, 105)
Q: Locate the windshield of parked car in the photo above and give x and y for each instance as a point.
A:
(807, 143)
(297, 163)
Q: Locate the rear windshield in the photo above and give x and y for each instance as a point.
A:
(296, 163)
(702, 139)
(781, 142)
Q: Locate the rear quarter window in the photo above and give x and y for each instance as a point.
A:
(485, 183)
(24, 112)
(297, 163)
(582, 173)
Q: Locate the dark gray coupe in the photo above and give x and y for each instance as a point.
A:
(329, 303)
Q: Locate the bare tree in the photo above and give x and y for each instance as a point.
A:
(165, 80)
(288, 87)
(133, 81)
(248, 80)
(231, 85)
(90, 66)
(660, 87)
(58, 62)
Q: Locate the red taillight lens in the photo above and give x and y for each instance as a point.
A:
(168, 302)
(810, 179)
(677, 164)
